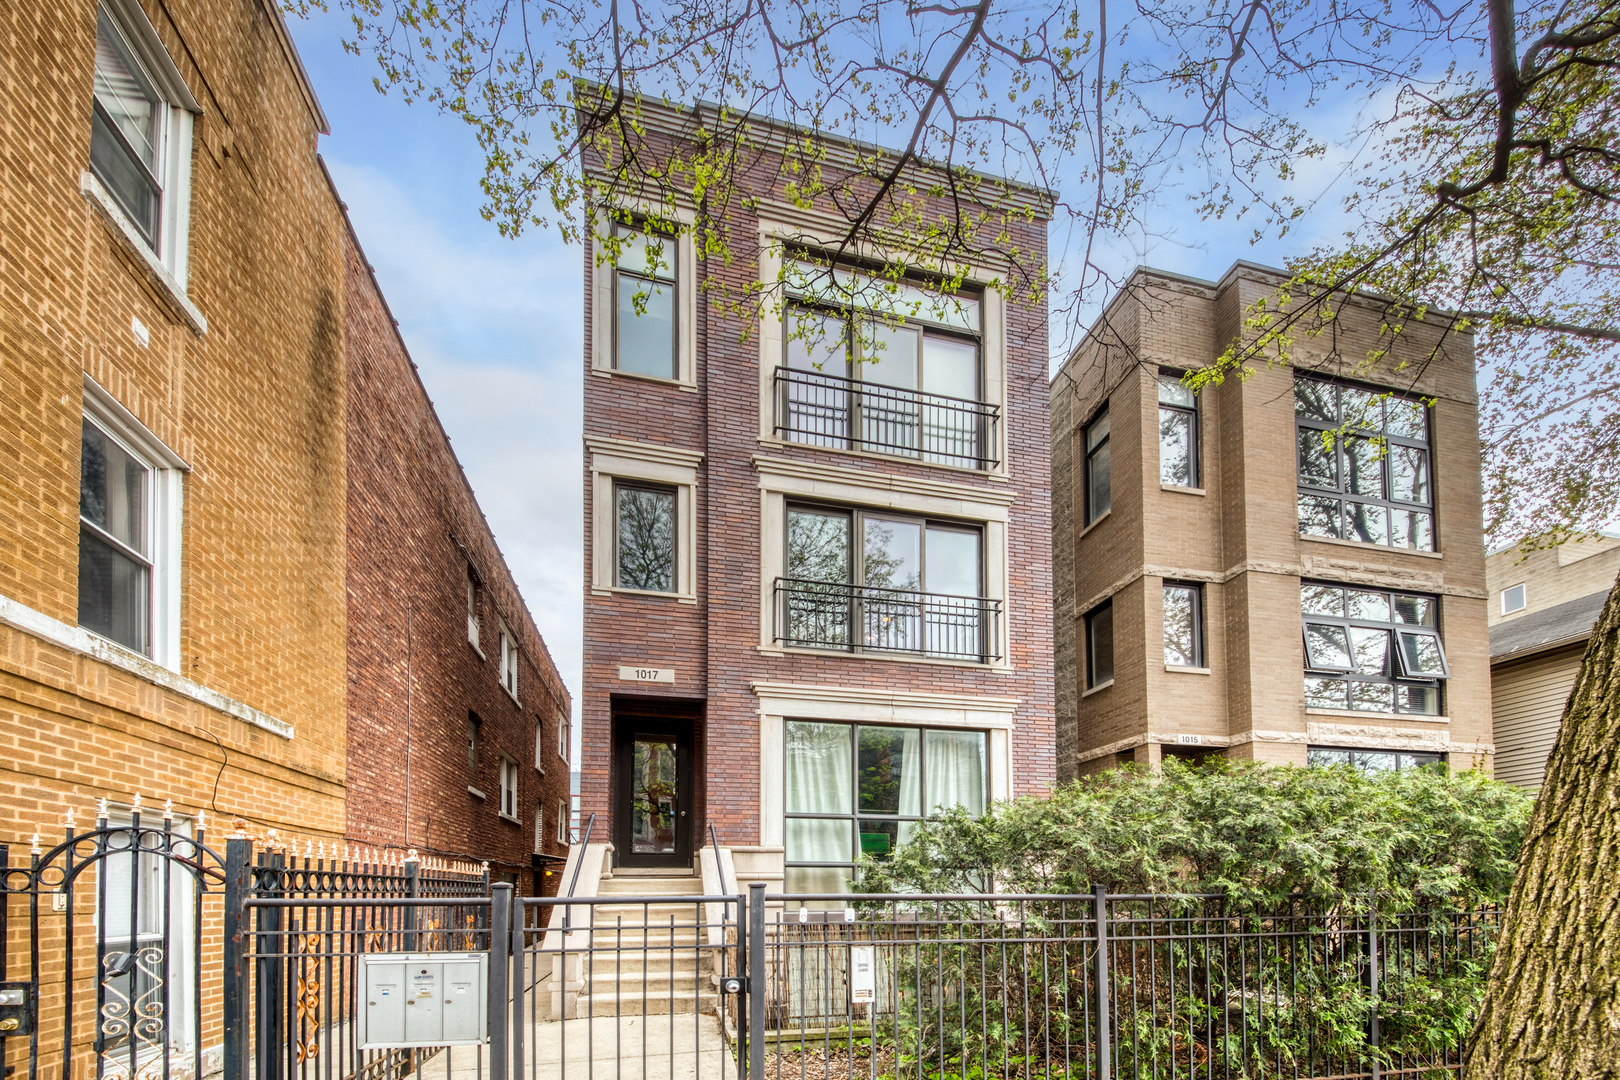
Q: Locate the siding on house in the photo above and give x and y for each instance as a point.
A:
(1527, 702)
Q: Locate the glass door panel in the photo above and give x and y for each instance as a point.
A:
(654, 795)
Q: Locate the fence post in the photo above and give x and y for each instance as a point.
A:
(269, 950)
(233, 981)
(756, 981)
(412, 870)
(500, 911)
(1372, 984)
(1105, 1049)
(520, 982)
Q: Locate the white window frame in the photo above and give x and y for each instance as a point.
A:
(1524, 598)
(539, 826)
(562, 821)
(604, 304)
(612, 460)
(509, 662)
(168, 263)
(565, 725)
(539, 746)
(474, 595)
(510, 789)
(165, 516)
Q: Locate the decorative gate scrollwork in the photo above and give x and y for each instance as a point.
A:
(114, 917)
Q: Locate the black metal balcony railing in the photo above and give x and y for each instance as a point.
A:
(865, 618)
(830, 410)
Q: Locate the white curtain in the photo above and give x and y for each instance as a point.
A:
(956, 769)
(911, 775)
(818, 768)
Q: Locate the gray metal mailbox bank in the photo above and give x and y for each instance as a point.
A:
(424, 999)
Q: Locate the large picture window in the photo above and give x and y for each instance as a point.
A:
(909, 383)
(1364, 468)
(644, 286)
(865, 580)
(644, 534)
(1372, 650)
(1373, 761)
(856, 790)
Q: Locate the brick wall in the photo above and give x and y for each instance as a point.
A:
(414, 529)
(714, 643)
(254, 406)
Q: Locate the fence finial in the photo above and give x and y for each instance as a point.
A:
(239, 827)
(135, 803)
(202, 820)
(412, 856)
(101, 809)
(168, 809)
(69, 819)
(33, 845)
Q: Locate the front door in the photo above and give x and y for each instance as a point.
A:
(653, 763)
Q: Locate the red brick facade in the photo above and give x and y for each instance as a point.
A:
(725, 664)
(414, 676)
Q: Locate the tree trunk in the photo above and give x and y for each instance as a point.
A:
(1552, 1003)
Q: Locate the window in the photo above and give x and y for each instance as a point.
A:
(864, 580)
(1100, 645)
(473, 592)
(1513, 599)
(539, 827)
(115, 554)
(1183, 625)
(473, 728)
(1371, 650)
(644, 284)
(856, 790)
(909, 384)
(644, 537)
(562, 821)
(1364, 469)
(140, 132)
(564, 735)
(1373, 761)
(539, 745)
(1178, 433)
(509, 788)
(1098, 498)
(509, 662)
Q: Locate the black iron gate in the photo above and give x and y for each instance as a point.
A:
(117, 925)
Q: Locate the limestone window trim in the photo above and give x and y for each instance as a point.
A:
(1367, 546)
(165, 517)
(780, 702)
(142, 56)
(774, 235)
(782, 480)
(618, 459)
(1178, 490)
(604, 306)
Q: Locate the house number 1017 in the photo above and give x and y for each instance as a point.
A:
(647, 674)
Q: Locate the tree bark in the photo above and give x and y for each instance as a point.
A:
(1552, 1001)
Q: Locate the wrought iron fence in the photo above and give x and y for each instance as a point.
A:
(867, 618)
(1107, 986)
(829, 410)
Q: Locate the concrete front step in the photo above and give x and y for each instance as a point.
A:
(628, 1004)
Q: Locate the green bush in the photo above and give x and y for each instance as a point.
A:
(1261, 836)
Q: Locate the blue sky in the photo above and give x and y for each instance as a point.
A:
(496, 325)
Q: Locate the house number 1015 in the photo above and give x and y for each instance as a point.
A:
(647, 674)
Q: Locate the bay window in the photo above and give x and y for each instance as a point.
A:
(858, 790)
(866, 580)
(1372, 650)
(1365, 472)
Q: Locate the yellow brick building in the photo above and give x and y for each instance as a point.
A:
(172, 610)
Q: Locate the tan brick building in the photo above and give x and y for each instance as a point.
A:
(1287, 567)
(817, 589)
(1542, 609)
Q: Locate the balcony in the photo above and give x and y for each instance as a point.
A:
(845, 414)
(863, 618)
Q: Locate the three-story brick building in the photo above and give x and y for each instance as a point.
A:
(817, 578)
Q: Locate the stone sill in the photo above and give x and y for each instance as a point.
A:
(657, 380)
(156, 272)
(1102, 517)
(475, 793)
(1182, 490)
(1187, 670)
(996, 668)
(1357, 714)
(1362, 545)
(1098, 688)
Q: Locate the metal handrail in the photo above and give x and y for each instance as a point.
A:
(871, 618)
(584, 842)
(719, 866)
(819, 409)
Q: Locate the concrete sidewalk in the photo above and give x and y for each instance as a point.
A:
(682, 1047)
